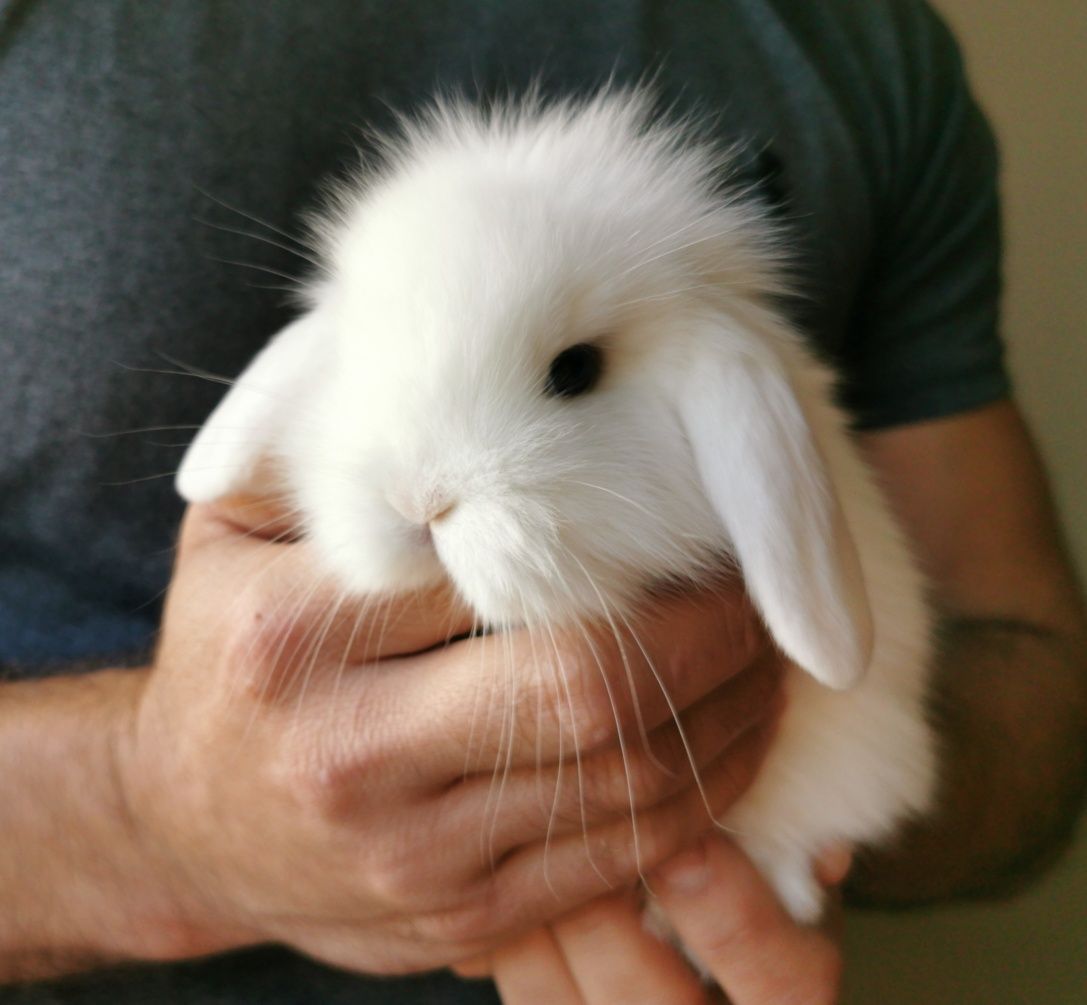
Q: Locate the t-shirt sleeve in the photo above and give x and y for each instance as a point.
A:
(924, 340)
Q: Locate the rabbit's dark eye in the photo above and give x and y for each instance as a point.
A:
(575, 370)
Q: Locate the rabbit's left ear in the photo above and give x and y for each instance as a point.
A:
(766, 479)
(227, 454)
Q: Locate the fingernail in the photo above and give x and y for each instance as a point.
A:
(688, 872)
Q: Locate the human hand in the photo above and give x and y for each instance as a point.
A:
(306, 769)
(724, 913)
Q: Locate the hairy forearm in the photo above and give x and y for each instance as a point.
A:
(76, 887)
(1010, 703)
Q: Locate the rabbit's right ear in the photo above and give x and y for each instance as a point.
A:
(227, 453)
(764, 475)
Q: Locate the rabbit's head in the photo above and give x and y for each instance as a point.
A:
(543, 360)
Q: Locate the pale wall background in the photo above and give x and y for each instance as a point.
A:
(1028, 62)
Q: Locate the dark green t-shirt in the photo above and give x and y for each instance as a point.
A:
(135, 137)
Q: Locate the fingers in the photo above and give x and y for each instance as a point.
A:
(492, 705)
(728, 917)
(603, 952)
(554, 875)
(581, 791)
(559, 873)
(528, 698)
(598, 955)
(532, 970)
(614, 960)
(477, 898)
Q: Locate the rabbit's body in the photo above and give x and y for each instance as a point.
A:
(545, 361)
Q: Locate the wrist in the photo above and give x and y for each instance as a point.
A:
(170, 917)
(81, 886)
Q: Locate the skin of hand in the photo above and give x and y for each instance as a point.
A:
(725, 914)
(305, 770)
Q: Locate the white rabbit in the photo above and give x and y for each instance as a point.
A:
(545, 359)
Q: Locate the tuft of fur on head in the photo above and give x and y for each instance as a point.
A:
(485, 243)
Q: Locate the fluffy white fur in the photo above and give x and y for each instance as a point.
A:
(487, 243)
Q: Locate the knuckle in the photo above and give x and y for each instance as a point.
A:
(314, 785)
(401, 871)
(618, 783)
(598, 711)
(398, 880)
(593, 718)
(330, 786)
(536, 703)
(623, 854)
(565, 695)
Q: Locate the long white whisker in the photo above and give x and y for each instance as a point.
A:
(183, 372)
(257, 267)
(142, 429)
(617, 495)
(564, 681)
(628, 671)
(687, 748)
(500, 772)
(469, 747)
(623, 752)
(262, 238)
(249, 216)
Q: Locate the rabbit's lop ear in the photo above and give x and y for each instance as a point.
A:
(764, 475)
(227, 453)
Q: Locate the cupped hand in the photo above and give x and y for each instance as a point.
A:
(723, 912)
(318, 770)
